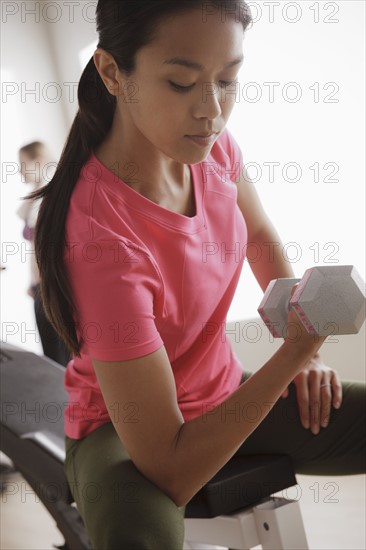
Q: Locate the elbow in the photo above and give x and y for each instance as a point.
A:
(167, 482)
(181, 501)
(176, 487)
(180, 492)
(180, 489)
(179, 497)
(166, 474)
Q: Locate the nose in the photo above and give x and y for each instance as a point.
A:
(208, 104)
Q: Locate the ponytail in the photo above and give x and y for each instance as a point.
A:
(90, 126)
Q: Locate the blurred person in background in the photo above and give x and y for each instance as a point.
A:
(35, 164)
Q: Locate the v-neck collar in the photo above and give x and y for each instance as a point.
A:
(150, 209)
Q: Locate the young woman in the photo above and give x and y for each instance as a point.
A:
(149, 178)
(33, 158)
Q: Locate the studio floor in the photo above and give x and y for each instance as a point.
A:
(333, 510)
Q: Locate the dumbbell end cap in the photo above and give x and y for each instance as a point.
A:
(331, 300)
(273, 308)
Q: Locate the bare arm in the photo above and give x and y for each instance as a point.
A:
(180, 457)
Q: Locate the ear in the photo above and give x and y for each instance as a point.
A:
(108, 71)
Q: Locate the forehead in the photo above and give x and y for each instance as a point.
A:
(211, 41)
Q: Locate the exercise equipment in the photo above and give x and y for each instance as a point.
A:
(234, 509)
(328, 300)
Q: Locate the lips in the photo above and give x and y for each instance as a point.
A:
(203, 135)
(203, 140)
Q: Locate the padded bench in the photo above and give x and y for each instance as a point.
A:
(234, 509)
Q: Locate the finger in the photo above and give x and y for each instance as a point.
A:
(302, 394)
(315, 400)
(284, 394)
(337, 390)
(325, 400)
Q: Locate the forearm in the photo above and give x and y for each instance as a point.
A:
(268, 261)
(205, 444)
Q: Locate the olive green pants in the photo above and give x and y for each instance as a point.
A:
(123, 510)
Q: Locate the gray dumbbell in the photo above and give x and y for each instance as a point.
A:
(328, 300)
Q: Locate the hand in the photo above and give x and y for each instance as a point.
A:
(297, 335)
(318, 387)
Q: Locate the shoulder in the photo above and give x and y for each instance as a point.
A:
(96, 229)
(90, 210)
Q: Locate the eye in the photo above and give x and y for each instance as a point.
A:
(178, 88)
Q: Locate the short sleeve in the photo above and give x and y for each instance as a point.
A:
(115, 287)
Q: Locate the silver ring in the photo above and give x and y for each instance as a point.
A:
(323, 385)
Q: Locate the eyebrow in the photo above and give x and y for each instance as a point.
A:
(197, 66)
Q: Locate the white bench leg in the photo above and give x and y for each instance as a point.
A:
(275, 524)
(237, 531)
(280, 525)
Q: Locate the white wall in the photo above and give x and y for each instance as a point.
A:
(73, 31)
(329, 53)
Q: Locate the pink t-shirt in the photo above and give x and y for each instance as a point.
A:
(143, 277)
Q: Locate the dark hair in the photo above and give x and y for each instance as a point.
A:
(123, 27)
